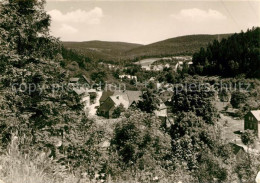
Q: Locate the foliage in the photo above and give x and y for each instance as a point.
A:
(248, 137)
(49, 117)
(148, 102)
(140, 143)
(247, 167)
(195, 97)
(133, 69)
(117, 111)
(72, 55)
(237, 98)
(236, 55)
(98, 76)
(224, 95)
(116, 73)
(93, 97)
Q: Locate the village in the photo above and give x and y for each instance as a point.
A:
(103, 100)
(106, 102)
(129, 91)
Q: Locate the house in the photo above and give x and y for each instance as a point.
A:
(146, 67)
(252, 121)
(74, 80)
(161, 112)
(167, 66)
(157, 67)
(134, 97)
(107, 108)
(127, 77)
(82, 81)
(105, 96)
(84, 95)
(238, 150)
(112, 99)
(179, 65)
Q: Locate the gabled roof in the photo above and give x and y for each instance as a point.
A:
(107, 105)
(256, 114)
(120, 99)
(126, 98)
(105, 95)
(115, 101)
(86, 79)
(133, 96)
(79, 91)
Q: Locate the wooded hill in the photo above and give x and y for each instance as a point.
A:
(236, 55)
(102, 50)
(115, 51)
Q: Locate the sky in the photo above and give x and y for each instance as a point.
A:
(146, 21)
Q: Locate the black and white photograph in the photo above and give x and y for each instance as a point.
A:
(129, 91)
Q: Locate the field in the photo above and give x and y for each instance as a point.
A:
(147, 61)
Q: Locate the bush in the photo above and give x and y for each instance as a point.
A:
(140, 145)
(32, 167)
(117, 111)
(237, 98)
(248, 137)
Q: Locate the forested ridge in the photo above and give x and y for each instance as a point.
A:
(236, 55)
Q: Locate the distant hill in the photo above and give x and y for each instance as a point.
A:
(184, 45)
(175, 46)
(101, 49)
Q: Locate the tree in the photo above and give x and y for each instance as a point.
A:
(236, 55)
(98, 76)
(198, 144)
(141, 144)
(224, 95)
(237, 98)
(93, 97)
(148, 102)
(116, 73)
(42, 112)
(169, 77)
(117, 111)
(248, 137)
(196, 98)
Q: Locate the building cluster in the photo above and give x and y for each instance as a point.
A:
(103, 103)
(127, 76)
(151, 67)
(160, 67)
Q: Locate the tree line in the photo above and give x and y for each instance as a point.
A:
(234, 56)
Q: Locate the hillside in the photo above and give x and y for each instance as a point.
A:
(108, 51)
(231, 57)
(104, 50)
(175, 46)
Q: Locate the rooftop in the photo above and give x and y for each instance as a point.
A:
(256, 113)
(74, 79)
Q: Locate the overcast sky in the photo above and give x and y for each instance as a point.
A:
(146, 22)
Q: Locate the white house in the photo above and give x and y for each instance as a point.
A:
(128, 77)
